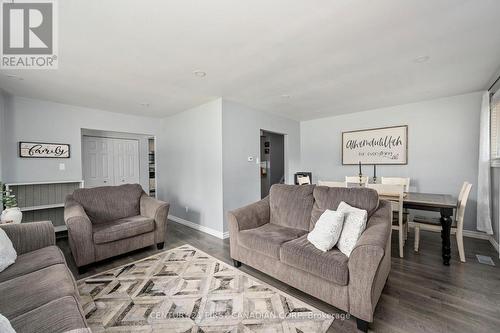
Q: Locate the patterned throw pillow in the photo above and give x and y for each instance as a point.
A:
(354, 225)
(327, 230)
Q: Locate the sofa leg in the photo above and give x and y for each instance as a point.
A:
(236, 263)
(159, 246)
(362, 325)
(82, 269)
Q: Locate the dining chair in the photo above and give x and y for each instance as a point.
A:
(331, 183)
(457, 226)
(356, 180)
(303, 180)
(397, 181)
(394, 194)
(405, 181)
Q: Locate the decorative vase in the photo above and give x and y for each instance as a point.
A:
(13, 214)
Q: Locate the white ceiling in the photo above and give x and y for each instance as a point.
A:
(331, 57)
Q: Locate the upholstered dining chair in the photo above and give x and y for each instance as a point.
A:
(356, 180)
(331, 183)
(458, 224)
(394, 194)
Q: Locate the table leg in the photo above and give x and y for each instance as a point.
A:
(445, 237)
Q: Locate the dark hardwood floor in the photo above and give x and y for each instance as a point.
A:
(421, 294)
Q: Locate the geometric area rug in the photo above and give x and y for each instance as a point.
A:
(188, 291)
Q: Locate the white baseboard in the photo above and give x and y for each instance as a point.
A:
(192, 225)
(466, 233)
(494, 242)
(476, 234)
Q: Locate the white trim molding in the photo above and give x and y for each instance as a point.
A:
(476, 234)
(494, 242)
(482, 235)
(202, 228)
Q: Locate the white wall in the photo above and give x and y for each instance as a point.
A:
(37, 120)
(241, 138)
(442, 145)
(191, 173)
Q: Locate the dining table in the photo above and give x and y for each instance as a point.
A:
(445, 204)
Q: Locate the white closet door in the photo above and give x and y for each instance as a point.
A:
(97, 161)
(126, 161)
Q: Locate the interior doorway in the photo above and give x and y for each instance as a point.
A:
(272, 160)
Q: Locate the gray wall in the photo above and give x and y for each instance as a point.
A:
(37, 120)
(143, 150)
(191, 173)
(442, 145)
(241, 139)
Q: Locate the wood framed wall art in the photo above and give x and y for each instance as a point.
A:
(384, 145)
(43, 150)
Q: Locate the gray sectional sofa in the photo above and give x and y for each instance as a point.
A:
(38, 293)
(271, 236)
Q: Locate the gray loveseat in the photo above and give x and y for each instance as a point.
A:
(38, 293)
(271, 236)
(107, 221)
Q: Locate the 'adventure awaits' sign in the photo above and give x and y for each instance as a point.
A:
(43, 150)
(388, 145)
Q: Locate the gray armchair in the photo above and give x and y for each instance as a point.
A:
(107, 221)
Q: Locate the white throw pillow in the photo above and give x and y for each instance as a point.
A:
(8, 254)
(327, 230)
(354, 225)
(5, 326)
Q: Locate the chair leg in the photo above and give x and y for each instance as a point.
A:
(417, 238)
(460, 243)
(401, 241)
(405, 225)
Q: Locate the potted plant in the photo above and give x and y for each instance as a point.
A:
(12, 213)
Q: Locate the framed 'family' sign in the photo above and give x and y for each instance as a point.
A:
(386, 145)
(43, 150)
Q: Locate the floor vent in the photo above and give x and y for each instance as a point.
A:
(486, 260)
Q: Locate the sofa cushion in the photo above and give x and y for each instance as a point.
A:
(60, 315)
(109, 203)
(291, 205)
(331, 265)
(122, 228)
(27, 292)
(33, 261)
(330, 198)
(268, 238)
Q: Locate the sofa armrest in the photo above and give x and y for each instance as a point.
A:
(251, 216)
(369, 263)
(79, 232)
(27, 237)
(157, 210)
(244, 218)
